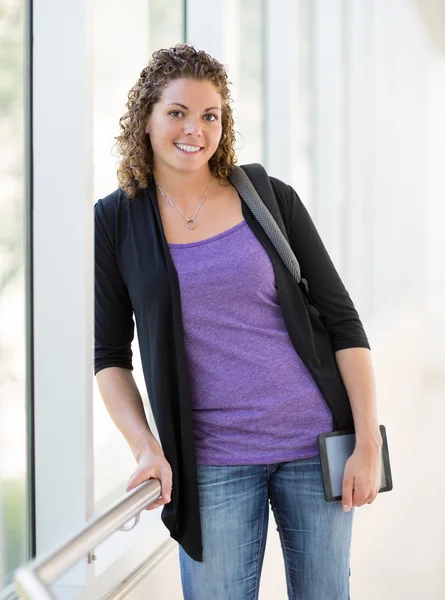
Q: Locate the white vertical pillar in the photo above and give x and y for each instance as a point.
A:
(211, 26)
(328, 151)
(354, 223)
(280, 114)
(63, 272)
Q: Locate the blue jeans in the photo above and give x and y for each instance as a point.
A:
(234, 503)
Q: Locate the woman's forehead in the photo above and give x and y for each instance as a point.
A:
(191, 90)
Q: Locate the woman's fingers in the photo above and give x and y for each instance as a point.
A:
(153, 469)
(166, 483)
(138, 477)
(166, 488)
(156, 504)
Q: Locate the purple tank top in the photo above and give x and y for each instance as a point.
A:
(253, 399)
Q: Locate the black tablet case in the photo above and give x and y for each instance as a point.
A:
(335, 448)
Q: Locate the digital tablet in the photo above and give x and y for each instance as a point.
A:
(335, 448)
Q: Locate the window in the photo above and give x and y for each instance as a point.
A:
(13, 292)
(245, 61)
(303, 101)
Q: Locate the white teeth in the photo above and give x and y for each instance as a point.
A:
(188, 148)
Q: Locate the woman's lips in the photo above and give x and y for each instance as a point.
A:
(187, 152)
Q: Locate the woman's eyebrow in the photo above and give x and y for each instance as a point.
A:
(186, 108)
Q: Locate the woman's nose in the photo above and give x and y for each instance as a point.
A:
(192, 125)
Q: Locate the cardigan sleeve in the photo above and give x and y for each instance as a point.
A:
(113, 313)
(326, 289)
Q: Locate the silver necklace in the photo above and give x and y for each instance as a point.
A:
(189, 223)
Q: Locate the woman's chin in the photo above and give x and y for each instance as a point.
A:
(191, 165)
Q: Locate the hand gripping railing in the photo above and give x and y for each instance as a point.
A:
(32, 581)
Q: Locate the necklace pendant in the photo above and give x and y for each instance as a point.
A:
(190, 223)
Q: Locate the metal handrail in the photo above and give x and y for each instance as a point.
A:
(32, 580)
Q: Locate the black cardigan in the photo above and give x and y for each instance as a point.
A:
(135, 274)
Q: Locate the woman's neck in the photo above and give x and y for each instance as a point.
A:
(182, 186)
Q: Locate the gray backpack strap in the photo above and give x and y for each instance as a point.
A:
(261, 182)
(249, 194)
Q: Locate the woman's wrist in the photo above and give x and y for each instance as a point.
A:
(369, 439)
(145, 443)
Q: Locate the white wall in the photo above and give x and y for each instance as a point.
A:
(434, 205)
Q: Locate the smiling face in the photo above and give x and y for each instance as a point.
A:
(185, 125)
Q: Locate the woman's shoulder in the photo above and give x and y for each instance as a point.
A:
(115, 205)
(257, 170)
(110, 213)
(289, 202)
(112, 201)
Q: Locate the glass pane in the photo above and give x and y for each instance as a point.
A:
(166, 24)
(144, 27)
(246, 70)
(13, 402)
(303, 101)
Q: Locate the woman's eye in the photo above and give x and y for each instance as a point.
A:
(210, 117)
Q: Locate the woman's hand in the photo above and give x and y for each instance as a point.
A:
(152, 464)
(362, 476)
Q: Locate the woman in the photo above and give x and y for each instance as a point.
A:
(237, 379)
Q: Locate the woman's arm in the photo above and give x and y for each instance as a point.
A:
(124, 405)
(326, 289)
(362, 477)
(113, 335)
(356, 370)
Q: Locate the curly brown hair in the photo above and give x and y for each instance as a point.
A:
(133, 144)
